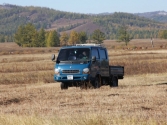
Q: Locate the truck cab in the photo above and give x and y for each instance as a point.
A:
(83, 65)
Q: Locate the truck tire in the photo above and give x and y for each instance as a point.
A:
(115, 82)
(64, 86)
(97, 82)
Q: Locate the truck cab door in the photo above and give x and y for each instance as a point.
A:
(104, 62)
(95, 65)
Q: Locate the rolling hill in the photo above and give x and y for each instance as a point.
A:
(140, 25)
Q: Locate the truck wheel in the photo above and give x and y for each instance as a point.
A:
(64, 85)
(115, 82)
(97, 82)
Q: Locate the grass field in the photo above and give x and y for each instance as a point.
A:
(29, 95)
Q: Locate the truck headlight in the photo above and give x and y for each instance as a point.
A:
(57, 71)
(86, 71)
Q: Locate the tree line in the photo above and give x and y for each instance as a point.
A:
(162, 34)
(28, 36)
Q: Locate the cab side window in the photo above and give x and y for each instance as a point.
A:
(95, 53)
(103, 54)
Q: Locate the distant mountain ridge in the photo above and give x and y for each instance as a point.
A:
(160, 16)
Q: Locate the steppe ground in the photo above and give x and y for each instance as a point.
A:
(29, 95)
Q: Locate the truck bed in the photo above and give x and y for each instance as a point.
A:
(117, 71)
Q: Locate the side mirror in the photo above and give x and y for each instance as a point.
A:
(93, 58)
(53, 57)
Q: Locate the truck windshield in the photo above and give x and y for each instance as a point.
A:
(74, 54)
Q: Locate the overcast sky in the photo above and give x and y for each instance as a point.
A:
(95, 6)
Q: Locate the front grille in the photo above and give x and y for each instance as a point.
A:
(70, 71)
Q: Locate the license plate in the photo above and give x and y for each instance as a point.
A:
(70, 77)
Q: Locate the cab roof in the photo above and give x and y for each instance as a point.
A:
(83, 46)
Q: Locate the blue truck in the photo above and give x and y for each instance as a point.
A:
(85, 66)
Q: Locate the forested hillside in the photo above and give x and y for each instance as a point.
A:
(12, 16)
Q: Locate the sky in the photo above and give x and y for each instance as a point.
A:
(95, 6)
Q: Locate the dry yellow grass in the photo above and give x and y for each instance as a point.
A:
(29, 96)
(135, 101)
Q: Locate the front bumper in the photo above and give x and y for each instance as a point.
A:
(76, 77)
